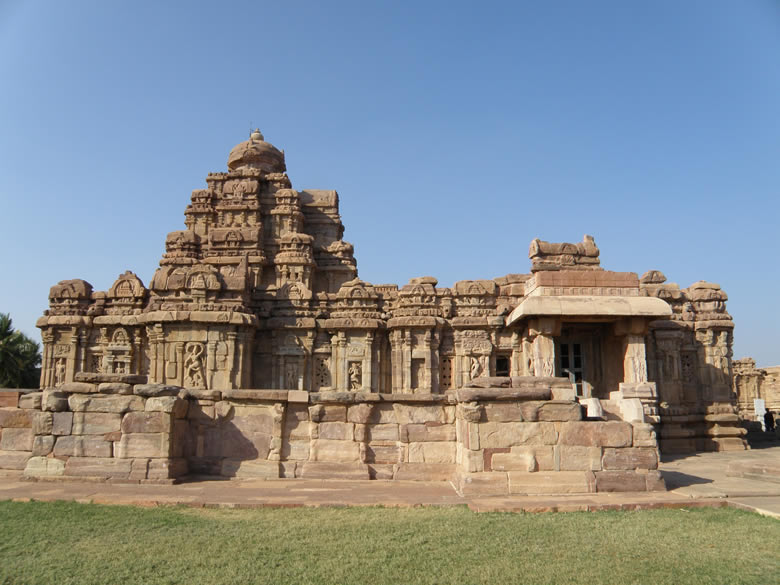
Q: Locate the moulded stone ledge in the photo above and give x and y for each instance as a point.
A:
(78, 388)
(96, 378)
(424, 471)
(552, 482)
(100, 467)
(525, 393)
(260, 395)
(332, 470)
(259, 468)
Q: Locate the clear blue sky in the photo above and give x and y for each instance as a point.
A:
(455, 133)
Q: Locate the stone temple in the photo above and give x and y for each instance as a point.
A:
(256, 350)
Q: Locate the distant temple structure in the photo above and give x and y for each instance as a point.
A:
(258, 304)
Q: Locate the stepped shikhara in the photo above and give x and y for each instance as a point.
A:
(257, 304)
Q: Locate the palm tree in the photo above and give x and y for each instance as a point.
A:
(20, 357)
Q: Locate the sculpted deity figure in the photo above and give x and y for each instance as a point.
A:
(476, 368)
(59, 372)
(193, 366)
(355, 376)
(291, 377)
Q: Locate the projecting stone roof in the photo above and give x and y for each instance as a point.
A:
(256, 153)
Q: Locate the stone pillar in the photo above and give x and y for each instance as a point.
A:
(71, 365)
(516, 364)
(334, 361)
(211, 363)
(138, 353)
(231, 373)
(180, 363)
(46, 365)
(406, 364)
(343, 363)
(368, 358)
(395, 360)
(435, 370)
(83, 339)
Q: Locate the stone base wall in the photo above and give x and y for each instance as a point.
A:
(525, 436)
(715, 428)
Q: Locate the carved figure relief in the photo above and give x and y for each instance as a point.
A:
(476, 368)
(194, 375)
(548, 366)
(59, 372)
(291, 376)
(355, 375)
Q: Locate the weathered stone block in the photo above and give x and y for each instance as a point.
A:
(560, 411)
(166, 468)
(160, 404)
(116, 404)
(596, 434)
(149, 390)
(146, 422)
(115, 388)
(416, 413)
(530, 410)
(502, 412)
(223, 409)
(62, 423)
(297, 429)
(98, 467)
(296, 450)
(10, 398)
(360, 413)
(620, 481)
(31, 400)
(578, 458)
(630, 458)
(95, 423)
(78, 388)
(338, 431)
(151, 445)
(44, 467)
(239, 445)
(505, 460)
(432, 452)
(543, 454)
(333, 470)
(644, 435)
(79, 446)
(655, 481)
(425, 471)
(551, 482)
(15, 418)
(511, 434)
(383, 454)
(200, 413)
(43, 445)
(328, 413)
(15, 439)
(339, 451)
(260, 422)
(15, 460)
(382, 432)
(250, 468)
(54, 401)
(422, 432)
(483, 484)
(42, 422)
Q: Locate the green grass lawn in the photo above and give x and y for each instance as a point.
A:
(67, 543)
